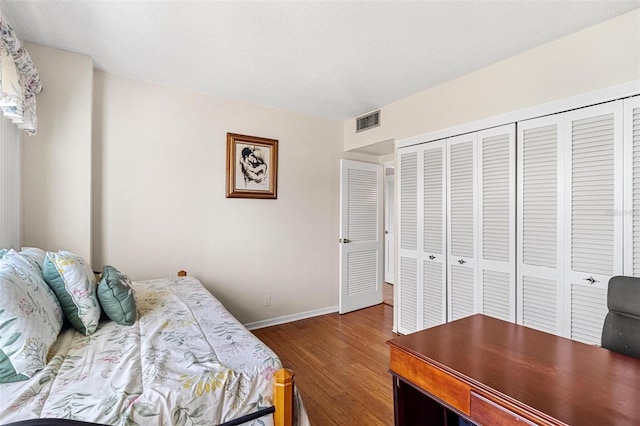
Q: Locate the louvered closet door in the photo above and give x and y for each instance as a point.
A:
(631, 124)
(361, 236)
(496, 222)
(434, 265)
(540, 238)
(593, 231)
(409, 168)
(461, 190)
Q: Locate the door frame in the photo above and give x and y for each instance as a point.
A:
(389, 208)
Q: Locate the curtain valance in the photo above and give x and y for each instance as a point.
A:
(19, 80)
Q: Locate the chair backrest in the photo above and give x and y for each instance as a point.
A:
(621, 331)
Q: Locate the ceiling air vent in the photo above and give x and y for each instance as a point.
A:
(368, 121)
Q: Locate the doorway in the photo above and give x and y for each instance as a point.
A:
(389, 235)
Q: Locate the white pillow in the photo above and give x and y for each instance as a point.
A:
(35, 255)
(30, 318)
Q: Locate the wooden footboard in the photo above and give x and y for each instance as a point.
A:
(282, 392)
(283, 397)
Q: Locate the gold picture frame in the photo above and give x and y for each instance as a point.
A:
(252, 167)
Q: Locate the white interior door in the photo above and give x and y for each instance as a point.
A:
(631, 124)
(361, 235)
(407, 303)
(496, 222)
(594, 224)
(389, 219)
(462, 231)
(434, 234)
(540, 250)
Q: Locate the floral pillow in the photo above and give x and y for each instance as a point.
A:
(3, 252)
(73, 282)
(34, 255)
(30, 318)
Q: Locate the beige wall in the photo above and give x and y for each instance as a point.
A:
(160, 206)
(598, 57)
(56, 163)
(139, 184)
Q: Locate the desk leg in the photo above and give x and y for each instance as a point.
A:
(398, 403)
(413, 408)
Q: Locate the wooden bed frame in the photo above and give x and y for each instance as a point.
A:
(282, 392)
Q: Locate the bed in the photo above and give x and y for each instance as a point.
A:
(185, 360)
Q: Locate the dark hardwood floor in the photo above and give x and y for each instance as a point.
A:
(340, 364)
(387, 294)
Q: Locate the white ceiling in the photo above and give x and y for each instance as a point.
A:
(330, 59)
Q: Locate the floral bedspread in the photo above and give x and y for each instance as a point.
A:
(186, 361)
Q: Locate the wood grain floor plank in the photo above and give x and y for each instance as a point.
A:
(341, 365)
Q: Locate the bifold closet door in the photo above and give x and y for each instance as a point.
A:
(569, 219)
(422, 252)
(434, 237)
(593, 216)
(496, 222)
(462, 286)
(631, 123)
(410, 167)
(540, 238)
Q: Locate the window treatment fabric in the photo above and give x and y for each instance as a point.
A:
(19, 80)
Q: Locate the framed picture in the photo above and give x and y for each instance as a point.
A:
(252, 167)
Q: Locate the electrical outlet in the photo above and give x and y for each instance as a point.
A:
(267, 300)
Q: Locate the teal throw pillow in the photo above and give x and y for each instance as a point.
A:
(117, 297)
(3, 252)
(73, 282)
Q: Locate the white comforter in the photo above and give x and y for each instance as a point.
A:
(185, 361)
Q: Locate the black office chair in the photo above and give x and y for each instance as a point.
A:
(621, 331)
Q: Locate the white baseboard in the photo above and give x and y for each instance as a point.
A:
(289, 318)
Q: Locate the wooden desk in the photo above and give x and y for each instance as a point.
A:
(494, 372)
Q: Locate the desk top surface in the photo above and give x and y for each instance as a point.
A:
(570, 381)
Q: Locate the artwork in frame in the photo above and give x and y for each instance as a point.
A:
(252, 167)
